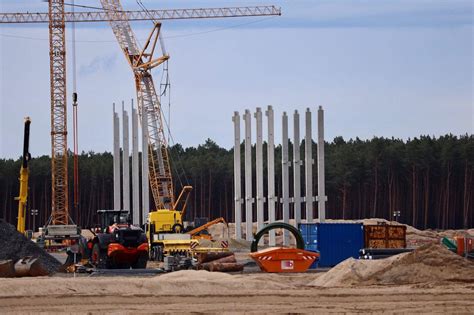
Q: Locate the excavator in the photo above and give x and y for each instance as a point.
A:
(24, 174)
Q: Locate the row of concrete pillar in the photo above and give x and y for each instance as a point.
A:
(122, 201)
(285, 160)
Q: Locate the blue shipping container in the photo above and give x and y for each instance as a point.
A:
(334, 241)
(308, 229)
(313, 229)
(304, 229)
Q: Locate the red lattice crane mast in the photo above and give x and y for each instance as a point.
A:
(141, 62)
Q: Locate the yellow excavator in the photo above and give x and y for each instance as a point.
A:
(24, 173)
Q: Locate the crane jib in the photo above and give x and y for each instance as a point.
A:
(177, 14)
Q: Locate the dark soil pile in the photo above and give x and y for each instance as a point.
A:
(14, 246)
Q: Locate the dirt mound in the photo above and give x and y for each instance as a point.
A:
(430, 263)
(14, 246)
(194, 275)
(213, 282)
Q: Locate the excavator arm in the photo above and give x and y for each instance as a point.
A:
(194, 233)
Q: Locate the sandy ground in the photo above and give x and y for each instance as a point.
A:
(203, 292)
(429, 281)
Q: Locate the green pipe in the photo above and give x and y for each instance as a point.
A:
(277, 225)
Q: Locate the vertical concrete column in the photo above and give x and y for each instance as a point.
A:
(116, 159)
(248, 177)
(322, 198)
(259, 169)
(126, 160)
(237, 178)
(135, 170)
(285, 177)
(145, 181)
(271, 173)
(308, 168)
(296, 168)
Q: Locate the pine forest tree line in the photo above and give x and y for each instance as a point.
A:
(429, 180)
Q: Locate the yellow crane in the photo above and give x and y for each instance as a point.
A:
(24, 173)
(169, 212)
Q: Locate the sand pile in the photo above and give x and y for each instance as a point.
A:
(14, 246)
(430, 263)
(213, 282)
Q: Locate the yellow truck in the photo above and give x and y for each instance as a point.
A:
(164, 229)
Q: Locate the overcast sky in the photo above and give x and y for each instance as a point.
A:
(400, 68)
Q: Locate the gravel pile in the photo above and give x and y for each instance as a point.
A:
(14, 246)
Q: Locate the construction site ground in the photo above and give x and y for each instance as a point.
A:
(203, 292)
(429, 280)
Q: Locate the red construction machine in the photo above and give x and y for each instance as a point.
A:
(117, 243)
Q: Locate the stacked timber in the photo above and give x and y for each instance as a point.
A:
(385, 236)
(218, 261)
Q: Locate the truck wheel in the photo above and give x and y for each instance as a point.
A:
(141, 262)
(99, 257)
(177, 228)
(157, 253)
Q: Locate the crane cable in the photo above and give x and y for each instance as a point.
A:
(154, 21)
(75, 122)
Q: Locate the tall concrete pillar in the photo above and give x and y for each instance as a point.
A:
(308, 168)
(145, 180)
(135, 170)
(285, 177)
(296, 168)
(259, 169)
(116, 161)
(237, 177)
(271, 173)
(248, 177)
(125, 160)
(322, 198)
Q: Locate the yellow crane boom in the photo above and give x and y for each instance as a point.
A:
(149, 106)
(24, 173)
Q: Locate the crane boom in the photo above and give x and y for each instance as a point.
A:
(176, 14)
(149, 106)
